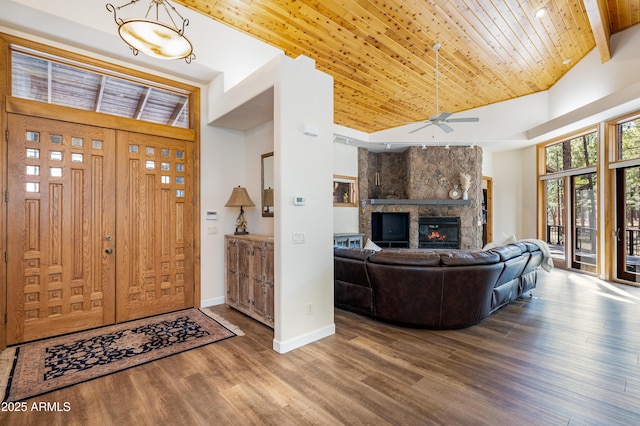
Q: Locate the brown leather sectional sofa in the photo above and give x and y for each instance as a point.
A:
(436, 289)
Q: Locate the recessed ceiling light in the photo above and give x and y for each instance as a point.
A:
(566, 61)
(541, 12)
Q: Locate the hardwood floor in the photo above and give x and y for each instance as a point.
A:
(570, 355)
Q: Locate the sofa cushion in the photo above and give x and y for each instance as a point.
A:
(507, 252)
(531, 246)
(467, 258)
(425, 258)
(351, 253)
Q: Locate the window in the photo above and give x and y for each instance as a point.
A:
(629, 140)
(571, 154)
(569, 188)
(57, 82)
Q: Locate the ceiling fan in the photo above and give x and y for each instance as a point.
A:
(441, 119)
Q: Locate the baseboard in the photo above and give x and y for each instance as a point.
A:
(291, 344)
(212, 302)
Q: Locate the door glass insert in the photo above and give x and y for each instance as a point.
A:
(628, 226)
(55, 155)
(33, 153)
(33, 136)
(584, 247)
(55, 139)
(32, 187)
(556, 217)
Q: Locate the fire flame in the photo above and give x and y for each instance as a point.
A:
(435, 235)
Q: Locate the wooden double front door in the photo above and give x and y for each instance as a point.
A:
(100, 227)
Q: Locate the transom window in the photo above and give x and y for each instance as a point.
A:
(56, 82)
(629, 140)
(576, 153)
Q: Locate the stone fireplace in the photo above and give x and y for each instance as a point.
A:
(417, 182)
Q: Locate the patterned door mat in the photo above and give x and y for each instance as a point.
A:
(47, 365)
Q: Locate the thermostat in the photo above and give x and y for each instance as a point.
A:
(299, 201)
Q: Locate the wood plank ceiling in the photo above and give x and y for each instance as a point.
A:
(380, 54)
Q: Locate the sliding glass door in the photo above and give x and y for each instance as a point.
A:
(569, 185)
(556, 217)
(584, 221)
(628, 223)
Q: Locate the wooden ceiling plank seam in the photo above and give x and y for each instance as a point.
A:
(499, 78)
(418, 71)
(398, 24)
(386, 75)
(471, 68)
(508, 34)
(403, 92)
(533, 42)
(379, 52)
(458, 97)
(571, 29)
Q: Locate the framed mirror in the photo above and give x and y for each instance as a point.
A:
(345, 191)
(267, 184)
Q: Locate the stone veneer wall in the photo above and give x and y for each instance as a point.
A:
(420, 174)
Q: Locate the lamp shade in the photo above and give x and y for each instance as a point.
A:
(268, 197)
(155, 38)
(239, 198)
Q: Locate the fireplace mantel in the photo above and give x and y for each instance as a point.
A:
(405, 201)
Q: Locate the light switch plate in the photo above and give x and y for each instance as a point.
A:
(298, 238)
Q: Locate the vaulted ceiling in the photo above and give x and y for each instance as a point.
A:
(380, 52)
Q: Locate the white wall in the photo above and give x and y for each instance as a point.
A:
(218, 175)
(514, 193)
(259, 140)
(303, 167)
(345, 163)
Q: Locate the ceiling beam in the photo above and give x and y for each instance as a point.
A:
(598, 13)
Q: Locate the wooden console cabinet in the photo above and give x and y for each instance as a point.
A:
(249, 275)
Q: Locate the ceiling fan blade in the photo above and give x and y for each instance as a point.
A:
(421, 127)
(441, 116)
(445, 127)
(463, 120)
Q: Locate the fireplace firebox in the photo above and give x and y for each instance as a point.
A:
(439, 232)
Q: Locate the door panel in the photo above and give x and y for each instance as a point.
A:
(584, 220)
(628, 223)
(155, 225)
(61, 182)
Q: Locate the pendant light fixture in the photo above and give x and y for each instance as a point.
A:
(163, 40)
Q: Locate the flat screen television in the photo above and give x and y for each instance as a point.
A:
(390, 229)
